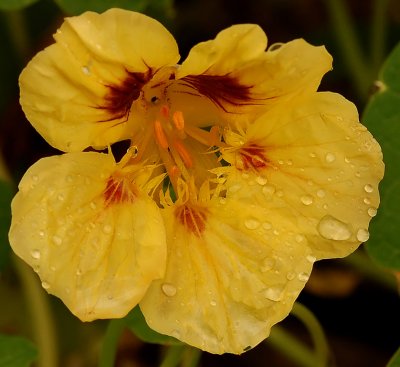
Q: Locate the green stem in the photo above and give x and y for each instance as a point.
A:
(18, 34)
(40, 314)
(378, 33)
(110, 342)
(191, 357)
(350, 47)
(317, 334)
(291, 347)
(173, 356)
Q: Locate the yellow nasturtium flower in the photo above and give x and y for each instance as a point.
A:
(238, 177)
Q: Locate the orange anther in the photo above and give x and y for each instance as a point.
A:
(174, 173)
(160, 135)
(178, 120)
(183, 153)
(165, 111)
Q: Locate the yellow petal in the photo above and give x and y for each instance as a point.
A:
(94, 246)
(228, 279)
(229, 50)
(321, 171)
(83, 86)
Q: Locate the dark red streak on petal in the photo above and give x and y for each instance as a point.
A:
(222, 90)
(253, 157)
(119, 99)
(116, 192)
(193, 219)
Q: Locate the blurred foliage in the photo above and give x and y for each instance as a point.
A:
(16, 351)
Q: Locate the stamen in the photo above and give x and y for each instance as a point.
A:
(178, 120)
(183, 153)
(160, 135)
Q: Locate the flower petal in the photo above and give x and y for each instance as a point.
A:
(95, 245)
(83, 86)
(321, 170)
(229, 281)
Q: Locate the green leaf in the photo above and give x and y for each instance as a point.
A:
(75, 7)
(395, 360)
(382, 117)
(16, 351)
(6, 194)
(15, 4)
(137, 324)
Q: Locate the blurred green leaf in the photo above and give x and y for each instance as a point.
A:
(75, 7)
(16, 351)
(382, 117)
(6, 194)
(15, 4)
(137, 324)
(395, 360)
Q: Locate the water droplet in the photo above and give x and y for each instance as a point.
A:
(78, 272)
(280, 161)
(213, 303)
(61, 197)
(86, 70)
(367, 201)
(41, 233)
(222, 200)
(267, 264)
(306, 199)
(35, 254)
(347, 160)
(333, 229)
(274, 294)
(362, 235)
(35, 178)
(321, 193)
(313, 155)
(168, 289)
(176, 334)
(311, 258)
(261, 180)
(368, 188)
(330, 157)
(267, 225)
(251, 223)
(107, 229)
(57, 240)
(45, 285)
(303, 277)
(289, 162)
(268, 189)
(290, 276)
(299, 238)
(279, 193)
(93, 205)
(372, 212)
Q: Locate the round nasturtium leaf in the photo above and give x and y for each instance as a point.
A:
(382, 117)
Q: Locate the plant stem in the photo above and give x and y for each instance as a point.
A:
(173, 356)
(317, 333)
(378, 33)
(41, 315)
(350, 47)
(110, 342)
(191, 357)
(291, 347)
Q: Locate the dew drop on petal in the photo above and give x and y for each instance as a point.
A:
(279, 193)
(299, 238)
(41, 233)
(290, 276)
(213, 303)
(61, 197)
(362, 235)
(372, 212)
(267, 264)
(107, 229)
(367, 201)
(303, 277)
(333, 229)
(261, 180)
(330, 157)
(85, 70)
(311, 259)
(35, 178)
(321, 193)
(35, 254)
(268, 190)
(45, 285)
(368, 188)
(176, 334)
(57, 240)
(274, 294)
(251, 223)
(168, 289)
(93, 205)
(267, 225)
(306, 199)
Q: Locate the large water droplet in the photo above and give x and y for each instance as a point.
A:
(330, 157)
(333, 229)
(306, 199)
(45, 285)
(168, 289)
(368, 188)
(251, 223)
(362, 235)
(274, 294)
(35, 254)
